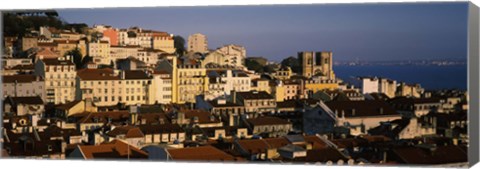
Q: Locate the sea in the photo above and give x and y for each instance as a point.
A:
(430, 77)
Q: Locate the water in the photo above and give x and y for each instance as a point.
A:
(429, 77)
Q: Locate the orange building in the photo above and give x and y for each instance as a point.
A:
(112, 34)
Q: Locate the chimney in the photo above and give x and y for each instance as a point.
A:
(381, 110)
(353, 112)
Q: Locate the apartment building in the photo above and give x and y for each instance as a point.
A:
(100, 51)
(234, 54)
(23, 85)
(59, 77)
(108, 87)
(162, 82)
(197, 43)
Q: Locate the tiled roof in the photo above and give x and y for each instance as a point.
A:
(26, 78)
(102, 117)
(116, 149)
(361, 108)
(202, 153)
(439, 155)
(57, 62)
(203, 116)
(136, 74)
(97, 74)
(161, 128)
(127, 131)
(67, 105)
(27, 100)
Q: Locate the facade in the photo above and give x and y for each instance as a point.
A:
(108, 87)
(409, 90)
(164, 42)
(255, 102)
(59, 77)
(197, 43)
(316, 63)
(23, 85)
(190, 82)
(100, 51)
(234, 54)
(272, 126)
(162, 82)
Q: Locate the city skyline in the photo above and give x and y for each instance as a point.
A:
(355, 31)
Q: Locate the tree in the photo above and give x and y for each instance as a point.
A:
(179, 44)
(77, 57)
(293, 63)
(254, 65)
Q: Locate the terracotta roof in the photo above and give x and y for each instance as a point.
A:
(316, 142)
(102, 117)
(161, 128)
(253, 95)
(128, 131)
(439, 155)
(116, 149)
(324, 155)
(267, 121)
(57, 62)
(136, 74)
(97, 74)
(202, 153)
(67, 105)
(203, 116)
(254, 146)
(27, 100)
(363, 108)
(26, 78)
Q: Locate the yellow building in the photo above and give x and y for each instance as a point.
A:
(108, 87)
(100, 51)
(164, 42)
(283, 73)
(261, 85)
(188, 80)
(314, 86)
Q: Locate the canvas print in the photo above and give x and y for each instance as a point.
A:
(321, 84)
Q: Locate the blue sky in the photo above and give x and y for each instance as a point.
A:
(351, 31)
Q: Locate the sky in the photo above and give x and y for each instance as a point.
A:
(369, 32)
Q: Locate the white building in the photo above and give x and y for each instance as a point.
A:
(59, 75)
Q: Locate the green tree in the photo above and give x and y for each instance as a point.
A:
(254, 65)
(76, 54)
(293, 63)
(179, 44)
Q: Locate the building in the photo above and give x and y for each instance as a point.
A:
(379, 85)
(28, 42)
(360, 116)
(115, 149)
(316, 64)
(21, 106)
(197, 43)
(189, 81)
(59, 77)
(409, 90)
(269, 126)
(100, 51)
(255, 101)
(108, 87)
(234, 55)
(163, 42)
(416, 107)
(123, 52)
(162, 83)
(23, 85)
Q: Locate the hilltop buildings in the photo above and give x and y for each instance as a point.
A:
(137, 99)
